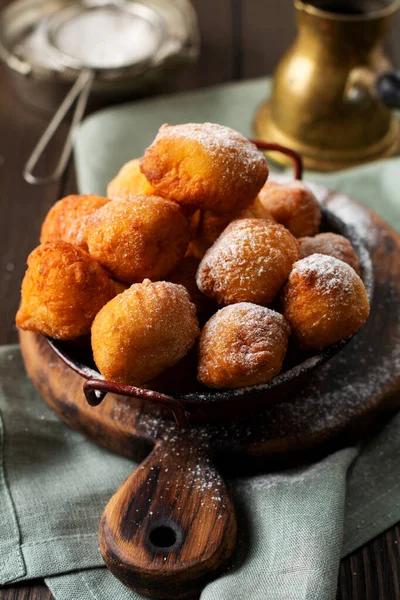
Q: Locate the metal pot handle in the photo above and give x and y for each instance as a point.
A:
(96, 389)
(295, 156)
(79, 93)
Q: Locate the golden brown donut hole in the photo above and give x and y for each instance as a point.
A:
(62, 291)
(129, 181)
(324, 301)
(205, 165)
(66, 220)
(249, 262)
(143, 331)
(330, 244)
(243, 344)
(293, 205)
(138, 237)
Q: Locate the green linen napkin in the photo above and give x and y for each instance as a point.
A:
(293, 526)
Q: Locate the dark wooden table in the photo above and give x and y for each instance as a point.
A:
(241, 38)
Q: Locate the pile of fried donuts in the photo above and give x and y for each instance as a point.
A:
(192, 235)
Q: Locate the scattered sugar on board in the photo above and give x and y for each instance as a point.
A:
(202, 478)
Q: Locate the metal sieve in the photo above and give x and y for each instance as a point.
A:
(108, 42)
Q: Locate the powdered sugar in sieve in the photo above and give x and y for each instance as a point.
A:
(104, 37)
(102, 41)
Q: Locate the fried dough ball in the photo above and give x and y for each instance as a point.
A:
(185, 274)
(138, 237)
(129, 181)
(324, 301)
(243, 344)
(204, 165)
(143, 331)
(332, 245)
(293, 205)
(249, 262)
(66, 220)
(210, 225)
(62, 291)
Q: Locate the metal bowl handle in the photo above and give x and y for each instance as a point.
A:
(295, 156)
(96, 389)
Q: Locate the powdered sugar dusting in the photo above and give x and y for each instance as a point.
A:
(138, 237)
(143, 331)
(327, 272)
(220, 143)
(213, 137)
(332, 245)
(339, 392)
(250, 261)
(180, 475)
(242, 344)
(251, 316)
(258, 329)
(336, 393)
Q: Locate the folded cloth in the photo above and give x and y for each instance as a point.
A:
(293, 526)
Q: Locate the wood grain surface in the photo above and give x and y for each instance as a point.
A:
(171, 526)
(240, 39)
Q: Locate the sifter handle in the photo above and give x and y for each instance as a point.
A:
(80, 92)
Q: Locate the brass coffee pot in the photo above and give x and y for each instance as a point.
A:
(333, 88)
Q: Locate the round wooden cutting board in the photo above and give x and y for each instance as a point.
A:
(171, 526)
